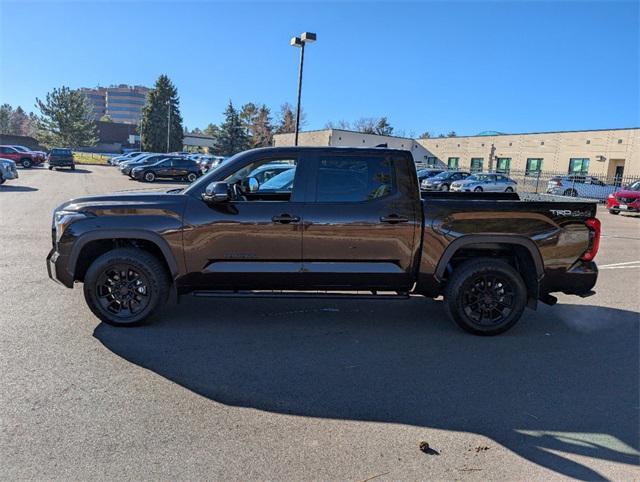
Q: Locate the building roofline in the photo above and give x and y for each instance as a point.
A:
(532, 133)
(350, 131)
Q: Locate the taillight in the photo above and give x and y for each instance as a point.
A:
(594, 239)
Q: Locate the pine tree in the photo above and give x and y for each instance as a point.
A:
(262, 128)
(287, 119)
(5, 118)
(451, 134)
(66, 119)
(231, 136)
(19, 122)
(161, 100)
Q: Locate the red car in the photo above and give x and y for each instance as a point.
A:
(625, 200)
(24, 159)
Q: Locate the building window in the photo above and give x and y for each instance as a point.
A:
(431, 161)
(476, 164)
(503, 165)
(619, 141)
(542, 143)
(452, 162)
(510, 144)
(534, 166)
(579, 165)
(588, 141)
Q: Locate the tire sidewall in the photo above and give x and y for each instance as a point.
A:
(191, 177)
(147, 264)
(26, 163)
(460, 280)
(149, 176)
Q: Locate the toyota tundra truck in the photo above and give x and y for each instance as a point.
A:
(343, 222)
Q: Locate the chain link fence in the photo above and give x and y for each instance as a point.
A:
(560, 183)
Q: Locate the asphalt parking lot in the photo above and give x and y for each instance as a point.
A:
(299, 389)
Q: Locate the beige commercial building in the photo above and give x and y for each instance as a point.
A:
(605, 153)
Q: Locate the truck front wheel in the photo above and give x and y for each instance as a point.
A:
(126, 286)
(485, 296)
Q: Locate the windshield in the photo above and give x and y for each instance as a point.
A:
(634, 186)
(64, 152)
(442, 175)
(282, 181)
(477, 177)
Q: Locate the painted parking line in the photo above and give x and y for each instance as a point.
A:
(625, 265)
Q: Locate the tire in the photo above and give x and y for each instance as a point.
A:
(468, 280)
(509, 189)
(109, 304)
(26, 163)
(478, 189)
(192, 176)
(149, 176)
(444, 187)
(51, 168)
(570, 192)
(2, 179)
(73, 167)
(613, 211)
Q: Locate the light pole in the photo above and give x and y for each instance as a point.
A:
(168, 122)
(305, 37)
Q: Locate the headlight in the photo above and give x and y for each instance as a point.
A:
(63, 219)
(136, 169)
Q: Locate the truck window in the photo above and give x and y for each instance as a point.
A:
(354, 179)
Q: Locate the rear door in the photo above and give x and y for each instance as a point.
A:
(361, 223)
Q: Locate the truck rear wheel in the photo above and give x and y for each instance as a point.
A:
(485, 296)
(126, 286)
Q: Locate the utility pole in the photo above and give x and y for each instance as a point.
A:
(305, 37)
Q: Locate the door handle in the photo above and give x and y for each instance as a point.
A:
(393, 219)
(285, 219)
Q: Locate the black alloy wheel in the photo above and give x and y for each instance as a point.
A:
(485, 296)
(123, 291)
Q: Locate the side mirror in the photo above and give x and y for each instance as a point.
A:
(216, 192)
(251, 184)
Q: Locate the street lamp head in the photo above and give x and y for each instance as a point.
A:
(296, 42)
(308, 37)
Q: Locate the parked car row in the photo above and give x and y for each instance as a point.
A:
(463, 181)
(27, 158)
(149, 166)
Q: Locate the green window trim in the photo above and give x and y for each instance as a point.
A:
(503, 165)
(579, 165)
(534, 166)
(476, 164)
(432, 161)
(453, 162)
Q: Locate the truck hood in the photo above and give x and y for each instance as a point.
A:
(127, 203)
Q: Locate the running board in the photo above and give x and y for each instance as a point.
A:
(385, 295)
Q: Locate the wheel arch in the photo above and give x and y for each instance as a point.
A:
(91, 245)
(523, 250)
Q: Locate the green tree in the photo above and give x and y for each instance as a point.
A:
(19, 122)
(106, 118)
(5, 118)
(211, 130)
(287, 119)
(425, 135)
(66, 119)
(262, 128)
(162, 104)
(231, 136)
(451, 134)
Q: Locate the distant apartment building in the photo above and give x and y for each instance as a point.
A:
(123, 103)
(611, 153)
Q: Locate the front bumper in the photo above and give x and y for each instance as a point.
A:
(614, 205)
(56, 267)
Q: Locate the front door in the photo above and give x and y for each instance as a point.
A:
(253, 242)
(362, 225)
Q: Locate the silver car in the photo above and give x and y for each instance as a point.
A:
(7, 170)
(485, 182)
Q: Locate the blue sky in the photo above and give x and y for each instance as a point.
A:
(429, 66)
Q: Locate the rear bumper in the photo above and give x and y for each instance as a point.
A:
(61, 163)
(579, 279)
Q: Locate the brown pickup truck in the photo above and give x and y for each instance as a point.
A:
(335, 222)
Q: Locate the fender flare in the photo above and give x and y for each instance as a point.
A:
(101, 234)
(470, 239)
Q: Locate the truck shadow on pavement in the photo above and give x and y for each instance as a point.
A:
(10, 188)
(563, 381)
